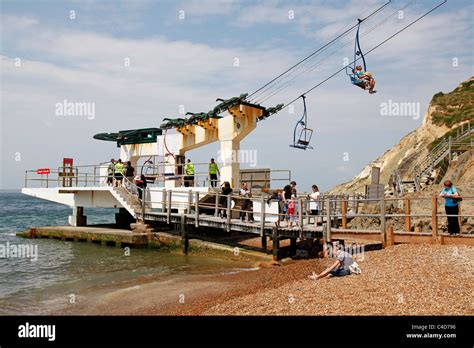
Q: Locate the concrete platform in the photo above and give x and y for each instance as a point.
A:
(105, 235)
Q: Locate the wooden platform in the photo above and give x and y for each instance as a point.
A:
(236, 225)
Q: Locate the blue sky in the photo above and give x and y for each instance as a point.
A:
(189, 61)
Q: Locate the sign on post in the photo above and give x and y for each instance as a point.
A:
(43, 171)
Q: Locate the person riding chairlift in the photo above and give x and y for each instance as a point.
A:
(364, 79)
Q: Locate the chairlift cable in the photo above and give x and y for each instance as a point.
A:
(262, 92)
(319, 62)
(321, 48)
(368, 52)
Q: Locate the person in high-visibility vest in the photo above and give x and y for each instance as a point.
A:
(119, 170)
(189, 178)
(213, 171)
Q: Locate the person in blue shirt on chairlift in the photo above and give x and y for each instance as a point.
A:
(365, 79)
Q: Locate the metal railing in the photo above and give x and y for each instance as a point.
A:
(334, 213)
(96, 175)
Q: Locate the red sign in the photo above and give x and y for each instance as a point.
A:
(43, 171)
(67, 161)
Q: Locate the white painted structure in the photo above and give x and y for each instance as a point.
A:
(229, 131)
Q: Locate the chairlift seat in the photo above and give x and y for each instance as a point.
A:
(305, 136)
(304, 133)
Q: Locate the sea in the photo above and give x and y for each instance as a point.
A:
(39, 285)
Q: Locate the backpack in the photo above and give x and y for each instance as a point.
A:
(457, 199)
(354, 268)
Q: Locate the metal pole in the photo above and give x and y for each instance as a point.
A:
(196, 210)
(300, 215)
(229, 211)
(262, 217)
(190, 201)
(169, 206)
(216, 208)
(143, 202)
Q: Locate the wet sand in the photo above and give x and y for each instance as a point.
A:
(189, 294)
(401, 280)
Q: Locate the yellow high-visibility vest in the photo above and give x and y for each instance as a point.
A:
(213, 168)
(189, 169)
(119, 168)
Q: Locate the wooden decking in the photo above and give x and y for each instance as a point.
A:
(236, 225)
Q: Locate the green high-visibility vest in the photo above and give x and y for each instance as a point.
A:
(190, 169)
(119, 168)
(213, 168)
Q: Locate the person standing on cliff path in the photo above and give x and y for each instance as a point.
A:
(451, 205)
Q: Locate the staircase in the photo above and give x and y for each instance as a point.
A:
(127, 199)
(424, 169)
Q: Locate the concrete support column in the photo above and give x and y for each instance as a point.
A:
(77, 218)
(230, 168)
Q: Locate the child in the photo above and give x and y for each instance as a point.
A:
(293, 208)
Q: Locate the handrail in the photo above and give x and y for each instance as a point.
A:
(330, 207)
(90, 175)
(443, 149)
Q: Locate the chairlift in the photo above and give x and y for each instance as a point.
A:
(302, 134)
(357, 52)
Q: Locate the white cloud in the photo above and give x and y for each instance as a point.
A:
(86, 66)
(17, 22)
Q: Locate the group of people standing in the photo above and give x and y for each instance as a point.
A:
(288, 203)
(246, 206)
(190, 172)
(117, 170)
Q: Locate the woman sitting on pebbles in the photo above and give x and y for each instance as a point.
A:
(344, 265)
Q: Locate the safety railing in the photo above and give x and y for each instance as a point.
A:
(97, 175)
(331, 214)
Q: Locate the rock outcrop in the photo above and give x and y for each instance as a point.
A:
(446, 114)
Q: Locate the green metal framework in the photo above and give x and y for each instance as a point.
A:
(132, 136)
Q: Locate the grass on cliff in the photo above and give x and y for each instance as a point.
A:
(454, 107)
